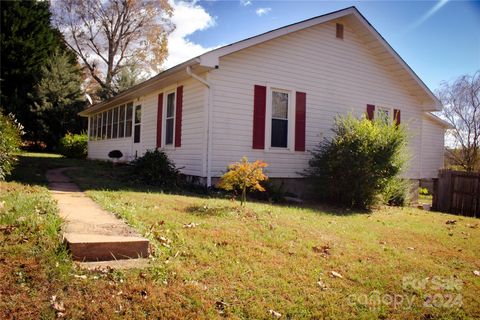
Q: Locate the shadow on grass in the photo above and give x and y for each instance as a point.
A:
(102, 175)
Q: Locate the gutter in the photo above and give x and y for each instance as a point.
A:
(209, 122)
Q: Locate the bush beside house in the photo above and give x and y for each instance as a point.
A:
(155, 168)
(360, 164)
(74, 146)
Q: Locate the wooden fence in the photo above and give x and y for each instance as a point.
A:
(457, 192)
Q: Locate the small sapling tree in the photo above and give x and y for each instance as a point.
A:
(244, 176)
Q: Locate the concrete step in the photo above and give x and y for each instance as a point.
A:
(95, 247)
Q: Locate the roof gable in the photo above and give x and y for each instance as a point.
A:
(374, 41)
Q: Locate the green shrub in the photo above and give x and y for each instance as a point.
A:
(423, 191)
(397, 192)
(155, 168)
(356, 166)
(10, 133)
(74, 145)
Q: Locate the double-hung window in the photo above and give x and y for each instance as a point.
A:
(279, 129)
(138, 121)
(384, 114)
(170, 119)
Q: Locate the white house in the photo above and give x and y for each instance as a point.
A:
(271, 97)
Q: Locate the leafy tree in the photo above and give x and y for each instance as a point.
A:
(244, 176)
(27, 41)
(461, 101)
(109, 35)
(359, 163)
(59, 98)
(128, 77)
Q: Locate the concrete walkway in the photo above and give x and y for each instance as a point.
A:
(91, 233)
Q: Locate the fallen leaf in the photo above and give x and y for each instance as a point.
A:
(410, 248)
(451, 222)
(274, 313)
(476, 272)
(322, 285)
(473, 226)
(323, 250)
(57, 305)
(335, 274)
(80, 276)
(383, 242)
(191, 225)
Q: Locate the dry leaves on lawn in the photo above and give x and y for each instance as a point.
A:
(335, 274)
(274, 313)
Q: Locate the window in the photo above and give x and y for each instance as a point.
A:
(104, 125)
(109, 123)
(279, 133)
(90, 132)
(170, 119)
(138, 119)
(115, 123)
(384, 114)
(121, 122)
(128, 121)
(99, 126)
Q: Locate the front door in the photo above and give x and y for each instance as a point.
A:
(137, 132)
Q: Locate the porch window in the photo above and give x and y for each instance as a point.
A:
(109, 123)
(121, 122)
(128, 121)
(170, 119)
(115, 123)
(104, 125)
(99, 125)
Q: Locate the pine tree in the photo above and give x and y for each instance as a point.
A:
(59, 98)
(27, 41)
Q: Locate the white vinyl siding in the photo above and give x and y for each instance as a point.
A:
(433, 139)
(337, 76)
(190, 157)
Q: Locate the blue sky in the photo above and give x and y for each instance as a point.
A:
(440, 40)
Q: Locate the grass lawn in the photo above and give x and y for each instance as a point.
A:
(400, 263)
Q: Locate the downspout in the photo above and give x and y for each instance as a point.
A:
(209, 123)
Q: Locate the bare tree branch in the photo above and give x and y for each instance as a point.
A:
(109, 35)
(461, 101)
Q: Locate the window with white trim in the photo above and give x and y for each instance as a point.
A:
(170, 119)
(137, 125)
(279, 132)
(384, 113)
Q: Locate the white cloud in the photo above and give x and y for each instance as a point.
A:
(188, 17)
(428, 14)
(262, 11)
(245, 3)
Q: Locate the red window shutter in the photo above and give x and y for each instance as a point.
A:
(259, 109)
(159, 119)
(396, 116)
(178, 117)
(370, 111)
(300, 117)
